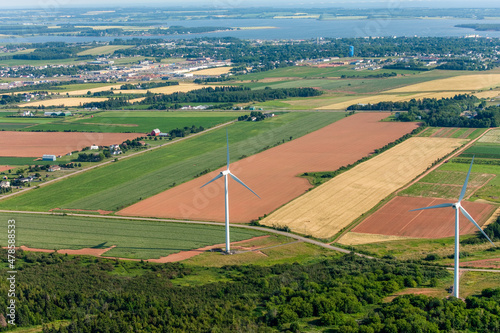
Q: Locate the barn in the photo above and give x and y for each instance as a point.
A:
(155, 132)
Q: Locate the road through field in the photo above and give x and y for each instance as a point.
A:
(273, 173)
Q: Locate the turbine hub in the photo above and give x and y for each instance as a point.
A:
(225, 172)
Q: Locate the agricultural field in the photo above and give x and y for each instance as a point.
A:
(213, 71)
(324, 211)
(139, 177)
(457, 83)
(452, 132)
(395, 219)
(131, 239)
(493, 136)
(108, 49)
(29, 144)
(132, 121)
(63, 102)
(273, 173)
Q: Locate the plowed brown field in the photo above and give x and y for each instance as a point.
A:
(35, 144)
(396, 219)
(273, 173)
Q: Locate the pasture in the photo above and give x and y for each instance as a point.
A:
(107, 49)
(135, 121)
(332, 206)
(273, 173)
(133, 239)
(139, 177)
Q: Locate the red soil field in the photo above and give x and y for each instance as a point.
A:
(485, 263)
(36, 144)
(272, 174)
(395, 218)
(5, 168)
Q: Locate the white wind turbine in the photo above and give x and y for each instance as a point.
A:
(227, 173)
(458, 208)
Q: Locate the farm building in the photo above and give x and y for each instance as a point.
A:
(4, 184)
(54, 168)
(155, 132)
(48, 157)
(164, 134)
(94, 147)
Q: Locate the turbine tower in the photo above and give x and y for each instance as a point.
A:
(458, 208)
(227, 173)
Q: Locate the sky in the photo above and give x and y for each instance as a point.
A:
(245, 3)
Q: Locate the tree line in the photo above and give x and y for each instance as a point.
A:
(458, 111)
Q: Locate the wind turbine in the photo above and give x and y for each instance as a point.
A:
(458, 208)
(227, 173)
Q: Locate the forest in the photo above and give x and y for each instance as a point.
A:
(458, 111)
(344, 294)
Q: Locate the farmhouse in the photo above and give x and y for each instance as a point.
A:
(48, 157)
(54, 168)
(4, 184)
(94, 147)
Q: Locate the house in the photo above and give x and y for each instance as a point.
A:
(94, 147)
(48, 157)
(155, 132)
(4, 184)
(54, 168)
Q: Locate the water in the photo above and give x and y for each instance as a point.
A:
(302, 29)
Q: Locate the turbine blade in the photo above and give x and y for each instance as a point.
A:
(432, 207)
(239, 181)
(477, 225)
(215, 178)
(464, 188)
(227, 142)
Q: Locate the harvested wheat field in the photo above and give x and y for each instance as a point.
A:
(335, 204)
(396, 219)
(390, 98)
(75, 101)
(182, 87)
(487, 94)
(273, 173)
(213, 71)
(357, 238)
(33, 144)
(457, 83)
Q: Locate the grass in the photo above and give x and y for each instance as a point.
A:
(133, 239)
(108, 49)
(287, 253)
(139, 122)
(153, 172)
(24, 161)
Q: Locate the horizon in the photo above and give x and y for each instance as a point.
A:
(221, 4)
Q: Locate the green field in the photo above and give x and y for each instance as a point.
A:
(446, 181)
(120, 121)
(137, 122)
(133, 239)
(483, 150)
(127, 181)
(108, 49)
(22, 161)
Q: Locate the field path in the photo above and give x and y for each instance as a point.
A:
(273, 173)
